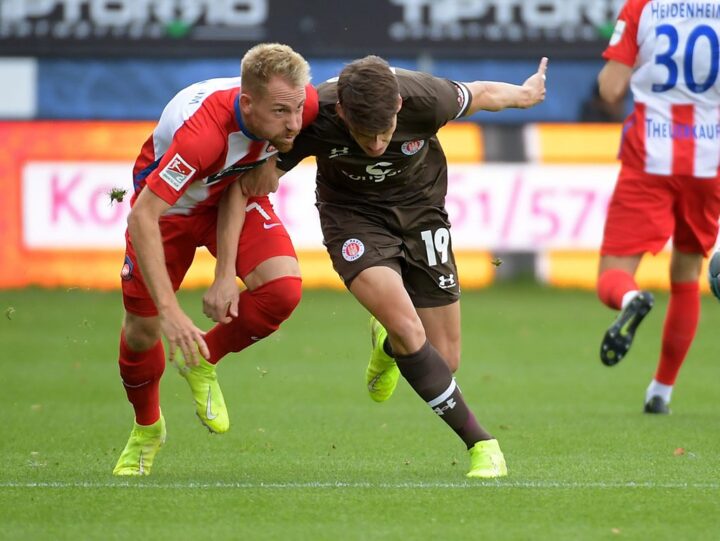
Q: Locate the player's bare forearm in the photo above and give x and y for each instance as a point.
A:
(231, 217)
(144, 229)
(496, 96)
(220, 302)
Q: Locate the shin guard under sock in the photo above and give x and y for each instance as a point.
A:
(681, 322)
(612, 286)
(260, 313)
(141, 372)
(428, 374)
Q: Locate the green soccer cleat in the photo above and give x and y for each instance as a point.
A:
(142, 446)
(382, 373)
(486, 460)
(209, 402)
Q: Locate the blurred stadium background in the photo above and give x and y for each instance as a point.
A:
(310, 456)
(84, 80)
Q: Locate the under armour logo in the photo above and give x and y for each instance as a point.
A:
(450, 404)
(446, 282)
(342, 151)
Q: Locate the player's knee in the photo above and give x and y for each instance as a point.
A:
(453, 361)
(140, 366)
(407, 334)
(278, 298)
(140, 333)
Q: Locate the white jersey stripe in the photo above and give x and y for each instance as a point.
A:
(707, 141)
(658, 145)
(183, 105)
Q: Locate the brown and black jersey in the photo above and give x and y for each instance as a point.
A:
(413, 169)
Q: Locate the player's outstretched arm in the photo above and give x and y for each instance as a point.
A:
(496, 96)
(220, 302)
(144, 230)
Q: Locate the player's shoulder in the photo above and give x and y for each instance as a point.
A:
(311, 106)
(194, 97)
(327, 92)
(633, 10)
(325, 99)
(415, 81)
(201, 90)
(423, 92)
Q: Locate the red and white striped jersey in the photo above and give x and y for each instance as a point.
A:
(674, 47)
(200, 145)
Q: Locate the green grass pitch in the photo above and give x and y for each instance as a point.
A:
(310, 456)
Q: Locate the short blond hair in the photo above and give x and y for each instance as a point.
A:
(267, 60)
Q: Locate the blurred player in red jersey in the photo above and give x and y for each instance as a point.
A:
(667, 52)
(381, 187)
(207, 136)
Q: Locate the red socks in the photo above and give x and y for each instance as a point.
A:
(681, 322)
(141, 372)
(261, 313)
(612, 285)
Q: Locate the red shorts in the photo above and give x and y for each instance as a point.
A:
(646, 210)
(263, 236)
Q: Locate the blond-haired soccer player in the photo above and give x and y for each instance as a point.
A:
(207, 135)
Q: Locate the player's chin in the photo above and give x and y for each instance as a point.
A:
(374, 153)
(284, 144)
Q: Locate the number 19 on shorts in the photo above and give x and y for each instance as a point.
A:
(437, 244)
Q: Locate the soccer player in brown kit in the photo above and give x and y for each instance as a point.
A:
(381, 186)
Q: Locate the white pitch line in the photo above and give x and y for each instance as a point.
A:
(500, 484)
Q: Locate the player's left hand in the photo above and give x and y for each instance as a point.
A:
(535, 84)
(181, 333)
(220, 302)
(261, 180)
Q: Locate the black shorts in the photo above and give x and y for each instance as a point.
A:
(414, 241)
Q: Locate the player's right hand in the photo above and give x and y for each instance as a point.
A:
(220, 302)
(261, 180)
(180, 332)
(535, 84)
(714, 274)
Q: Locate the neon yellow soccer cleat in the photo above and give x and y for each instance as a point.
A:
(382, 373)
(209, 402)
(487, 460)
(139, 453)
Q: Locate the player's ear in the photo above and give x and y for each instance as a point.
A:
(245, 104)
(399, 103)
(339, 110)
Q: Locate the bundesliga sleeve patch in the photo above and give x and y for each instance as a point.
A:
(617, 32)
(177, 172)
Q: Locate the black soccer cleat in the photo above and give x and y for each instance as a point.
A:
(619, 336)
(657, 405)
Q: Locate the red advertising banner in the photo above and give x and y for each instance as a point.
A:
(59, 227)
(27, 143)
